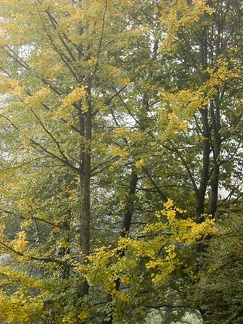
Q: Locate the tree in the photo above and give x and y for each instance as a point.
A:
(219, 290)
(103, 122)
(206, 83)
(148, 270)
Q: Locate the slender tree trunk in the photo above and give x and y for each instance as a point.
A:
(85, 125)
(205, 167)
(216, 145)
(85, 128)
(127, 219)
(204, 177)
(201, 192)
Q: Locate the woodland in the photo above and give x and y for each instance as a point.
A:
(121, 161)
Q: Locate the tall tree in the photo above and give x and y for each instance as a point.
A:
(110, 108)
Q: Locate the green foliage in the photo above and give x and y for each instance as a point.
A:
(111, 110)
(219, 290)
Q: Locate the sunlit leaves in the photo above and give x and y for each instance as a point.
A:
(155, 258)
(19, 307)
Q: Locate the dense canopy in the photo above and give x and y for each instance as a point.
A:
(121, 160)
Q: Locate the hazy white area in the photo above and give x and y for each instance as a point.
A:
(3, 256)
(162, 317)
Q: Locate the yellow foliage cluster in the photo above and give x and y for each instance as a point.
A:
(10, 85)
(76, 95)
(140, 163)
(117, 151)
(156, 254)
(185, 102)
(20, 242)
(37, 98)
(225, 73)
(180, 14)
(18, 307)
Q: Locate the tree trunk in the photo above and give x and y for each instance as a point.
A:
(84, 177)
(216, 146)
(125, 230)
(205, 167)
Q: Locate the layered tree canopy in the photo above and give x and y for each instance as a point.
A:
(219, 292)
(121, 150)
